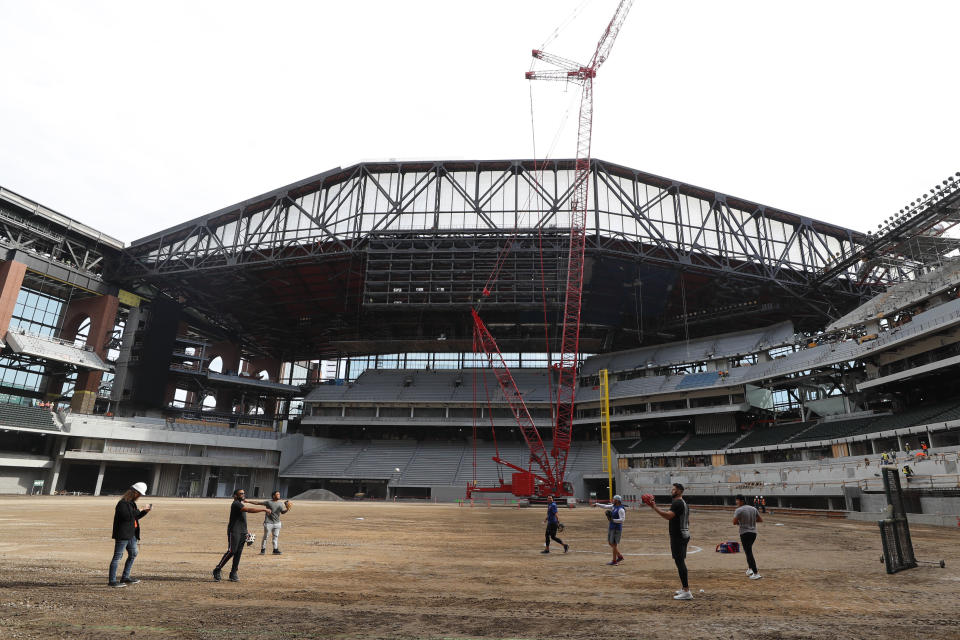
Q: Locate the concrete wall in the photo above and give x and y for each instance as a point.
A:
(124, 429)
(448, 493)
(20, 480)
(831, 477)
(931, 519)
(169, 478)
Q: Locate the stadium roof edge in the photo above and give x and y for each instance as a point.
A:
(421, 165)
(67, 222)
(189, 224)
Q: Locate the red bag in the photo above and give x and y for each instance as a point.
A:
(730, 546)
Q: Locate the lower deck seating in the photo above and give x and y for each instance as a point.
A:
(431, 462)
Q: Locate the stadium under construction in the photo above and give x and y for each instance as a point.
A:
(321, 335)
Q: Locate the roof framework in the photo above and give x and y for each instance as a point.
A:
(321, 261)
(64, 254)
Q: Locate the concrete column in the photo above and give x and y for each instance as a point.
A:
(59, 450)
(203, 483)
(873, 446)
(156, 479)
(54, 476)
(11, 279)
(103, 468)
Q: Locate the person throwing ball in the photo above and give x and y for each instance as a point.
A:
(679, 518)
(553, 524)
(236, 534)
(271, 521)
(616, 513)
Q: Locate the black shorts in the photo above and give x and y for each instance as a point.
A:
(678, 547)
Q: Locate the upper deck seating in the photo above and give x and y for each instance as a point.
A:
(18, 415)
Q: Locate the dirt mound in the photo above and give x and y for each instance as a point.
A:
(318, 494)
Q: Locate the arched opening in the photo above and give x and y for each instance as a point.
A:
(83, 332)
(209, 402)
(216, 365)
(263, 375)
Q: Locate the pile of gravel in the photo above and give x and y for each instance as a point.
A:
(318, 494)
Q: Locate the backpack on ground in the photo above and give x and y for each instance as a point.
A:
(730, 546)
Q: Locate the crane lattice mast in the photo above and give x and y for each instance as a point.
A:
(553, 474)
(570, 345)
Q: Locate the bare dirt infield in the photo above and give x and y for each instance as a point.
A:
(442, 571)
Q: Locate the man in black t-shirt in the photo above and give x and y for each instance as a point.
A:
(236, 534)
(679, 518)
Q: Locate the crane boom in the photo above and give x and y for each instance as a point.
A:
(553, 474)
(570, 344)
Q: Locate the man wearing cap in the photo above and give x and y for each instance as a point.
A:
(553, 524)
(126, 533)
(616, 514)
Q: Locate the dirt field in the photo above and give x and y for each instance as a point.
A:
(357, 570)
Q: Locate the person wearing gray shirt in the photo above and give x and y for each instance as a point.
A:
(271, 521)
(748, 517)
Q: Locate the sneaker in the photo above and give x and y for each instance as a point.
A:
(749, 572)
(262, 551)
(234, 577)
(545, 551)
(277, 552)
(619, 559)
(566, 548)
(683, 595)
(613, 563)
(755, 576)
(130, 580)
(116, 585)
(217, 575)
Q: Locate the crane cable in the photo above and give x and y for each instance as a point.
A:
(538, 166)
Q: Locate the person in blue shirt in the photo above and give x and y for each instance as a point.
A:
(616, 514)
(553, 523)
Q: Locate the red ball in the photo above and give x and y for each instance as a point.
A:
(647, 498)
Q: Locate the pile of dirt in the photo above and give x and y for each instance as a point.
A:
(318, 494)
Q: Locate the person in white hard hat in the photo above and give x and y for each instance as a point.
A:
(126, 533)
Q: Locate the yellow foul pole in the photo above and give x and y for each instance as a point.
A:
(605, 430)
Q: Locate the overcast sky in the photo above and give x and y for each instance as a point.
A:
(132, 117)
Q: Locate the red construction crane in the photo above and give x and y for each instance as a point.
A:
(552, 480)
